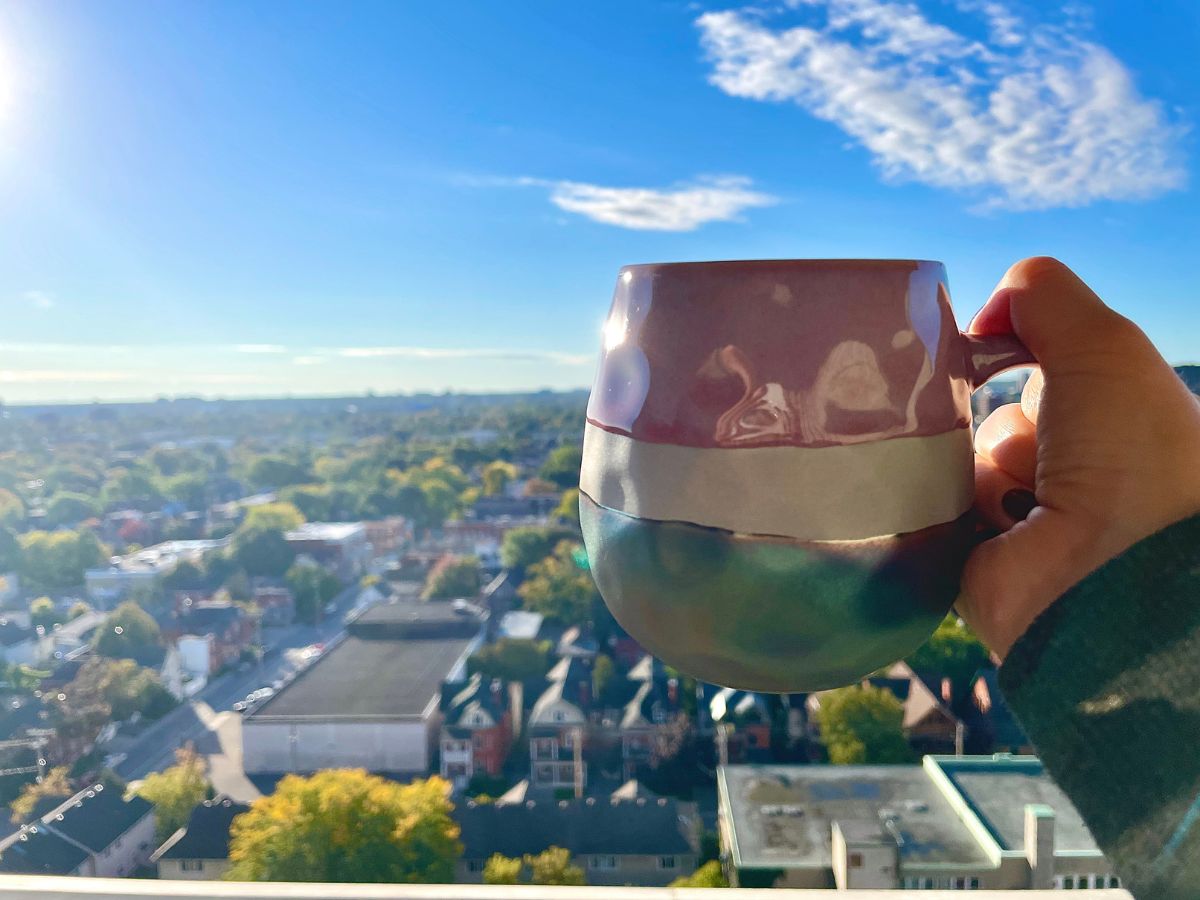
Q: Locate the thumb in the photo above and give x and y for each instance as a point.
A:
(1056, 315)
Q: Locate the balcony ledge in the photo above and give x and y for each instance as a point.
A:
(45, 887)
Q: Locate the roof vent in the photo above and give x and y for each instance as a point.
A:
(471, 804)
(662, 801)
(641, 801)
(98, 788)
(591, 801)
(562, 804)
(529, 804)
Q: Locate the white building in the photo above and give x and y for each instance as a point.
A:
(140, 569)
(341, 546)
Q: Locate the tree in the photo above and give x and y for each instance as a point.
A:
(315, 501)
(568, 508)
(57, 559)
(131, 486)
(522, 547)
(502, 869)
(560, 588)
(708, 875)
(512, 659)
(863, 724)
(10, 550)
(121, 686)
(452, 577)
(273, 516)
(562, 466)
(550, 867)
(67, 508)
(953, 651)
(496, 476)
(603, 672)
(129, 633)
(78, 608)
(674, 761)
(553, 866)
(12, 510)
(175, 791)
(312, 587)
(262, 551)
(55, 783)
(43, 612)
(277, 472)
(343, 825)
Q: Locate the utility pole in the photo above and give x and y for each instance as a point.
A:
(577, 745)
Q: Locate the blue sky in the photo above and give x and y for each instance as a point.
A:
(235, 199)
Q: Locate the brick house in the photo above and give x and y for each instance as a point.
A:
(477, 728)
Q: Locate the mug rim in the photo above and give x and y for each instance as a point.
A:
(797, 263)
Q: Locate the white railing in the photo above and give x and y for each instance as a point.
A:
(44, 887)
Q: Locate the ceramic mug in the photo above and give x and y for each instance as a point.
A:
(777, 464)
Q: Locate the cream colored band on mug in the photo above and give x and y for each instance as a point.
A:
(841, 493)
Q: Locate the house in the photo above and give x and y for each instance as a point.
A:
(647, 714)
(70, 636)
(528, 510)
(24, 644)
(143, 568)
(370, 701)
(276, 603)
(96, 832)
(990, 722)
(521, 624)
(577, 641)
(388, 535)
(741, 721)
(984, 822)
(199, 851)
(219, 629)
(616, 840)
(556, 726)
(477, 728)
(339, 546)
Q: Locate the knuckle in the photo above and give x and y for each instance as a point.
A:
(1037, 268)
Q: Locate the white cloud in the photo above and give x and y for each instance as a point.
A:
(39, 299)
(552, 356)
(684, 207)
(260, 348)
(41, 376)
(309, 360)
(1036, 117)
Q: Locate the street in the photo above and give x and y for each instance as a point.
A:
(198, 719)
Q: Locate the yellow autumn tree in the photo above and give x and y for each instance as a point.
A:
(344, 825)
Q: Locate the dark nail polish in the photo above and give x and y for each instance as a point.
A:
(1018, 503)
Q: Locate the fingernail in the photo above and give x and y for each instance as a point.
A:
(1018, 503)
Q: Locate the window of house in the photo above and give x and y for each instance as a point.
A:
(191, 865)
(602, 862)
(666, 862)
(476, 865)
(854, 860)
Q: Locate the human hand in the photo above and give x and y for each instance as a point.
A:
(1106, 436)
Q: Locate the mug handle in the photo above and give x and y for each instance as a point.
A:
(991, 354)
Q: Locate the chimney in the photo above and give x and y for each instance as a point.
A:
(947, 691)
(673, 691)
(1039, 845)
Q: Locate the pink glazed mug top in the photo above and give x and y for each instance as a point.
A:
(798, 431)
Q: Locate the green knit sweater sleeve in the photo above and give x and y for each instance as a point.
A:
(1107, 685)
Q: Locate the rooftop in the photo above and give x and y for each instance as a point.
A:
(326, 531)
(206, 835)
(372, 676)
(35, 850)
(592, 826)
(95, 817)
(998, 790)
(782, 815)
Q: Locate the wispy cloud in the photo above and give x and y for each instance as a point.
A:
(1036, 116)
(552, 356)
(682, 207)
(260, 348)
(43, 376)
(39, 299)
(309, 360)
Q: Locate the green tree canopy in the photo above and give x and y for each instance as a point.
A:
(120, 685)
(78, 608)
(175, 791)
(562, 466)
(312, 587)
(522, 547)
(953, 651)
(54, 560)
(10, 551)
(277, 472)
(496, 475)
(67, 508)
(262, 551)
(453, 577)
(43, 612)
(513, 659)
(708, 875)
(568, 509)
(12, 510)
(863, 724)
(129, 633)
(343, 825)
(55, 783)
(560, 587)
(273, 516)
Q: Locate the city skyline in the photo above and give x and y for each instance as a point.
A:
(220, 201)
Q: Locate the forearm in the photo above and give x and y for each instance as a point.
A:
(1107, 685)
